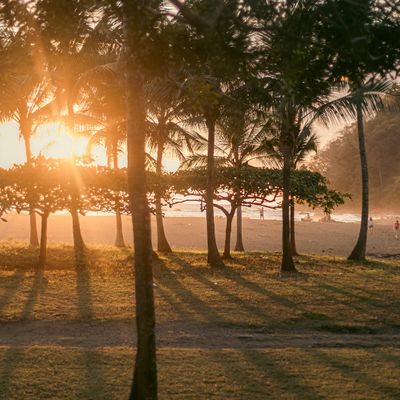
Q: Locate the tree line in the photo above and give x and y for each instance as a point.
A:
(50, 185)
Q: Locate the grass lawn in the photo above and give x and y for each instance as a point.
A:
(242, 332)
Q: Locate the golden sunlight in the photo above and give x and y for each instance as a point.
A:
(171, 165)
(54, 141)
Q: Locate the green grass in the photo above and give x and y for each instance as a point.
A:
(330, 295)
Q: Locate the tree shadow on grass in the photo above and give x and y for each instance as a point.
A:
(39, 285)
(200, 277)
(387, 355)
(13, 356)
(94, 383)
(345, 368)
(13, 284)
(236, 370)
(188, 300)
(287, 382)
(83, 285)
(263, 291)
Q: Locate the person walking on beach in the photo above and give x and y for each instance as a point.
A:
(261, 212)
(396, 228)
(370, 224)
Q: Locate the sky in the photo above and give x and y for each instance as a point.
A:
(53, 141)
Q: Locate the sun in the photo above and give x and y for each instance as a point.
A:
(54, 141)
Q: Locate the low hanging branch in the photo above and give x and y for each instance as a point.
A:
(250, 186)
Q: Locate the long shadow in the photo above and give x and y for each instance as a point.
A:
(325, 290)
(287, 381)
(178, 307)
(170, 281)
(12, 357)
(201, 278)
(95, 384)
(94, 381)
(12, 286)
(39, 284)
(240, 374)
(83, 286)
(341, 365)
(256, 288)
(389, 357)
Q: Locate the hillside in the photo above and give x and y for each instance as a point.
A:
(340, 162)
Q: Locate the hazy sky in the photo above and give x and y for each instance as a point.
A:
(51, 143)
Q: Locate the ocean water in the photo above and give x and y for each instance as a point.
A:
(193, 210)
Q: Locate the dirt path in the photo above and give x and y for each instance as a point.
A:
(121, 333)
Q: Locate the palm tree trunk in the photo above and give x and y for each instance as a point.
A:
(144, 385)
(162, 242)
(214, 258)
(239, 230)
(33, 235)
(358, 253)
(292, 230)
(287, 264)
(43, 242)
(119, 237)
(228, 231)
(79, 244)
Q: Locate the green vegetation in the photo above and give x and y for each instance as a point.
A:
(382, 135)
(243, 331)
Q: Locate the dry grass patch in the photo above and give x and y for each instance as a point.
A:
(192, 374)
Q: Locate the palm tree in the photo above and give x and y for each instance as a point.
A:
(305, 141)
(239, 142)
(166, 133)
(72, 44)
(239, 139)
(28, 103)
(103, 107)
(380, 90)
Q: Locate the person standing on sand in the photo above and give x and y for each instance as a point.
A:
(370, 224)
(261, 212)
(396, 228)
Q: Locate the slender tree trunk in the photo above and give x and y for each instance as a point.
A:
(358, 253)
(144, 385)
(287, 264)
(79, 244)
(292, 231)
(214, 258)
(33, 235)
(239, 230)
(162, 242)
(228, 231)
(119, 237)
(43, 241)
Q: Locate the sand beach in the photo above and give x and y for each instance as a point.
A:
(336, 238)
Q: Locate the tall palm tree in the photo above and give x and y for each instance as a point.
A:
(380, 90)
(166, 133)
(102, 106)
(72, 43)
(305, 141)
(239, 142)
(28, 103)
